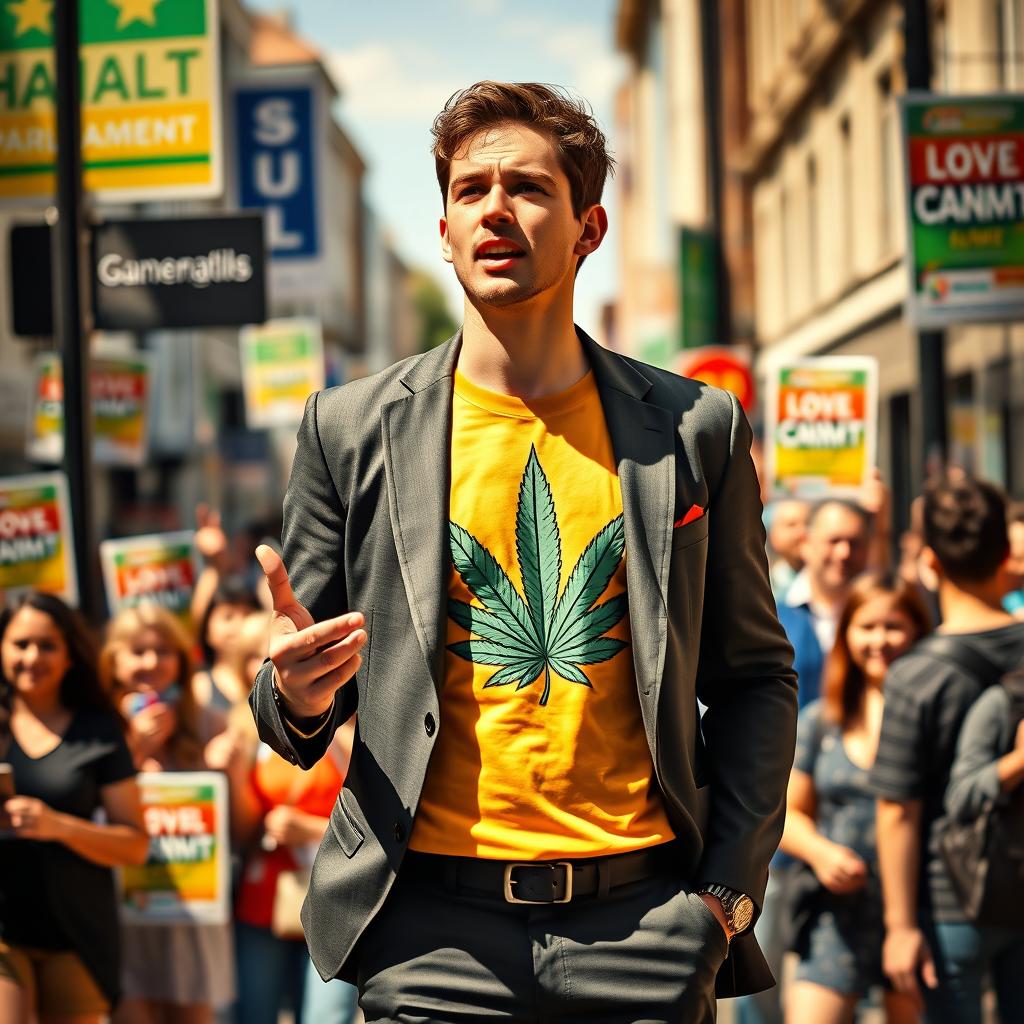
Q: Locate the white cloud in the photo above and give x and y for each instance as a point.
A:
(392, 81)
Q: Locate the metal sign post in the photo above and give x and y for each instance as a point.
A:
(72, 340)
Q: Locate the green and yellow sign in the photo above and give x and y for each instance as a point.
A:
(150, 99)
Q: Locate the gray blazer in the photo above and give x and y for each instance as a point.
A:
(366, 528)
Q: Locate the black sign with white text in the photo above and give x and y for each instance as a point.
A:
(166, 274)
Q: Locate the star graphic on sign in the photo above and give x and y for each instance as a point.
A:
(135, 10)
(32, 14)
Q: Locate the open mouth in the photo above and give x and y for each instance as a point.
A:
(497, 255)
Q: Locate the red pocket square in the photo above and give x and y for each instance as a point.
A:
(692, 516)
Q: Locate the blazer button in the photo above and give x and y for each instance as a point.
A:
(429, 725)
(399, 832)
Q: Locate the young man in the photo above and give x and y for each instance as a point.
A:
(787, 532)
(553, 552)
(927, 695)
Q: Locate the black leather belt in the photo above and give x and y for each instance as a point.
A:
(531, 882)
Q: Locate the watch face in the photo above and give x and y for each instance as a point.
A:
(742, 914)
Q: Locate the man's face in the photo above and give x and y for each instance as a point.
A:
(788, 529)
(836, 549)
(509, 229)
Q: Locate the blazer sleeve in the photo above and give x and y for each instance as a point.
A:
(314, 544)
(746, 679)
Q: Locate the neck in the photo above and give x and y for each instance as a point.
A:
(822, 597)
(45, 709)
(528, 350)
(972, 609)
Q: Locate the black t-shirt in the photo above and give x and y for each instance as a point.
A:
(49, 891)
(926, 700)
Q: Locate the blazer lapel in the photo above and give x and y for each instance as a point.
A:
(416, 438)
(643, 439)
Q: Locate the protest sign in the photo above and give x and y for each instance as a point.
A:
(187, 874)
(150, 85)
(159, 568)
(965, 207)
(821, 425)
(720, 366)
(282, 365)
(36, 551)
(120, 407)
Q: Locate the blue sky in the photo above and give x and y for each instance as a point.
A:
(397, 61)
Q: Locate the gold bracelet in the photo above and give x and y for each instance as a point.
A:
(309, 735)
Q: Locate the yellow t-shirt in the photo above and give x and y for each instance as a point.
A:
(541, 751)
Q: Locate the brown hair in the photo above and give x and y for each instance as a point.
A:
(843, 682)
(965, 525)
(185, 746)
(581, 145)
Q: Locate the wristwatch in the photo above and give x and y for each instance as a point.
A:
(738, 906)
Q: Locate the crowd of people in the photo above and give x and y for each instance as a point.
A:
(82, 719)
(911, 687)
(911, 672)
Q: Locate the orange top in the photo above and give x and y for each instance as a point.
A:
(541, 751)
(277, 782)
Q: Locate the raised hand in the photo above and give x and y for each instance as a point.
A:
(312, 660)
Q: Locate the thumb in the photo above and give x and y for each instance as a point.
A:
(277, 578)
(929, 974)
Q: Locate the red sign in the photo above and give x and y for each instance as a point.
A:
(726, 368)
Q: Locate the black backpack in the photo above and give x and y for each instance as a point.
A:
(985, 857)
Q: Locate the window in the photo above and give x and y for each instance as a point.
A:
(845, 199)
(1009, 35)
(786, 276)
(889, 168)
(812, 230)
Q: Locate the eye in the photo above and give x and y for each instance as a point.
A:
(469, 191)
(529, 186)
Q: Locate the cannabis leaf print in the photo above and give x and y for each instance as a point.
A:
(545, 632)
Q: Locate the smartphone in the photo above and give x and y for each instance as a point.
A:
(6, 782)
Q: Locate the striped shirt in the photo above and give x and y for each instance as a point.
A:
(926, 701)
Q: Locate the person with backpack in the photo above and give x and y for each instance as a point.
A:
(928, 693)
(984, 843)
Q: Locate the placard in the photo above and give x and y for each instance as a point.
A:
(36, 547)
(282, 365)
(964, 158)
(821, 426)
(187, 874)
(119, 387)
(721, 366)
(150, 89)
(159, 568)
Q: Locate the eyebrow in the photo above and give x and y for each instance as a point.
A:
(520, 173)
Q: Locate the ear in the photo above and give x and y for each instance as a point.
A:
(593, 228)
(446, 245)
(929, 569)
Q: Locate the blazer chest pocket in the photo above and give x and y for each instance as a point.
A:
(691, 533)
(345, 830)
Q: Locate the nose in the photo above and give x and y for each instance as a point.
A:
(149, 659)
(842, 550)
(30, 655)
(495, 208)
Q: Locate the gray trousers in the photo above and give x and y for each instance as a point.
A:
(648, 952)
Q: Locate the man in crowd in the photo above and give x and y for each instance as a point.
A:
(927, 695)
(1014, 600)
(555, 552)
(787, 531)
(835, 552)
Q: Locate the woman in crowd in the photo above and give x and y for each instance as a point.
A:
(173, 973)
(989, 769)
(279, 816)
(64, 742)
(219, 686)
(830, 820)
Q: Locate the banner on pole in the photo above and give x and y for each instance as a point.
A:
(282, 365)
(150, 87)
(964, 159)
(119, 386)
(187, 874)
(821, 426)
(36, 549)
(159, 568)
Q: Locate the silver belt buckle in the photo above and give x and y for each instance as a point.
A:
(510, 897)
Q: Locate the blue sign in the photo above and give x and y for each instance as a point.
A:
(276, 143)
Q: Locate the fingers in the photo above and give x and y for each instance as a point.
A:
(929, 973)
(277, 578)
(307, 644)
(317, 664)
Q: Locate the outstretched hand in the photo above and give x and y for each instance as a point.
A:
(312, 660)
